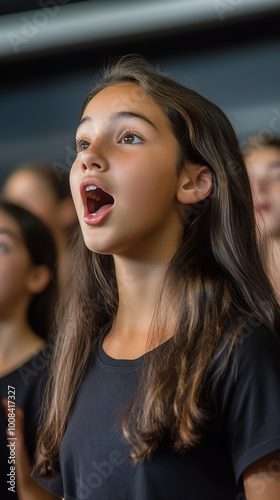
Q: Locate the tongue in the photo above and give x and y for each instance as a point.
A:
(102, 209)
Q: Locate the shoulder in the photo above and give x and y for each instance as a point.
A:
(245, 397)
(258, 337)
(255, 347)
(250, 374)
(30, 380)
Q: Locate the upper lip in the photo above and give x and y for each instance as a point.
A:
(92, 182)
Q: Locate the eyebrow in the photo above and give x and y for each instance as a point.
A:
(8, 232)
(122, 115)
(130, 114)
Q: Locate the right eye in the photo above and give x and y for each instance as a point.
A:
(81, 145)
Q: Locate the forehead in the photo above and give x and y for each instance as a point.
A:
(124, 96)
(26, 181)
(22, 177)
(263, 160)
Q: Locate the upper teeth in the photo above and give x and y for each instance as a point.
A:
(91, 188)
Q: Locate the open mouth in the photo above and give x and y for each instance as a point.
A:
(97, 200)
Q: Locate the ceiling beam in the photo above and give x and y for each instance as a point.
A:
(58, 25)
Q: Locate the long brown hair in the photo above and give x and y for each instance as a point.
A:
(216, 276)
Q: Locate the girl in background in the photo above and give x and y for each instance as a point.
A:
(27, 301)
(44, 191)
(165, 382)
(262, 159)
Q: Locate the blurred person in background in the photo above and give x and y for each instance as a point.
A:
(262, 158)
(28, 296)
(45, 192)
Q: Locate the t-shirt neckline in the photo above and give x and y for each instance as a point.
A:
(108, 360)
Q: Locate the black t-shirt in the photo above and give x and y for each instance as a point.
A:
(28, 381)
(244, 425)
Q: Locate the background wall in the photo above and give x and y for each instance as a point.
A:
(227, 50)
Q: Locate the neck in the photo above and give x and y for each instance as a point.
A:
(144, 318)
(140, 277)
(17, 342)
(139, 287)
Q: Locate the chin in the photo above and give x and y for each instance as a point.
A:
(95, 248)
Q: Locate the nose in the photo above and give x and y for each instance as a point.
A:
(93, 158)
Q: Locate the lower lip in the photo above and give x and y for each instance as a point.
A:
(96, 219)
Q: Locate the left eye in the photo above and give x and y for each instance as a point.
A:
(130, 138)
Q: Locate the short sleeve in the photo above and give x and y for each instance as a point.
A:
(247, 399)
(54, 485)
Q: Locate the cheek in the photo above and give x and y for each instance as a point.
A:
(12, 280)
(151, 186)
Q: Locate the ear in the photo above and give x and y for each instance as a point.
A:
(195, 184)
(67, 215)
(38, 279)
